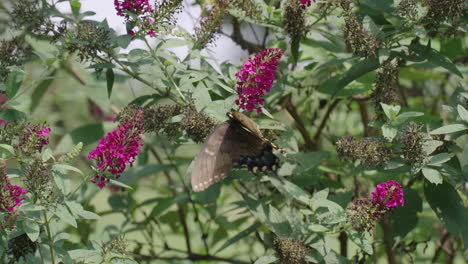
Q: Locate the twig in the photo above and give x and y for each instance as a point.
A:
(292, 111)
(364, 116)
(325, 119)
(441, 246)
(179, 208)
(387, 243)
(190, 257)
(236, 36)
(343, 238)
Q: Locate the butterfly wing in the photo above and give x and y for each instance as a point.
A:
(222, 148)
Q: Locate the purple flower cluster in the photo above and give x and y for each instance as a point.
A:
(117, 149)
(141, 9)
(365, 212)
(388, 194)
(256, 78)
(305, 3)
(34, 138)
(10, 198)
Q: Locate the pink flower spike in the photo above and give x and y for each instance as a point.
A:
(388, 194)
(117, 149)
(256, 78)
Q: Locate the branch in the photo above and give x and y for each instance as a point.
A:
(180, 210)
(236, 36)
(292, 111)
(387, 243)
(191, 256)
(441, 246)
(325, 119)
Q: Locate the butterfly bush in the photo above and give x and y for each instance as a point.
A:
(117, 149)
(388, 194)
(34, 138)
(10, 198)
(363, 213)
(305, 3)
(141, 9)
(256, 78)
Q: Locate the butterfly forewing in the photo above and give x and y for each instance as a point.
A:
(222, 148)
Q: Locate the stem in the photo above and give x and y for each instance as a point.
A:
(86, 179)
(441, 246)
(325, 119)
(169, 76)
(187, 190)
(343, 238)
(364, 117)
(180, 210)
(49, 236)
(387, 243)
(292, 111)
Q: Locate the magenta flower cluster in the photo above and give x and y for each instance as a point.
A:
(256, 78)
(117, 149)
(388, 194)
(10, 198)
(305, 3)
(34, 138)
(141, 9)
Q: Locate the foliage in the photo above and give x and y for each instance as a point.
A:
(368, 99)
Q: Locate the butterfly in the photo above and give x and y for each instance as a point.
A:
(235, 143)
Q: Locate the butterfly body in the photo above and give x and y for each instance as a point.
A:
(235, 143)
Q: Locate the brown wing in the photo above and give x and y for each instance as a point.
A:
(224, 146)
(250, 125)
(246, 122)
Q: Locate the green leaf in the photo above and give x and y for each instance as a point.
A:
(162, 206)
(62, 181)
(77, 210)
(363, 240)
(13, 83)
(389, 132)
(291, 190)
(308, 160)
(440, 158)
(75, 6)
(269, 216)
(64, 213)
(8, 148)
(239, 236)
(431, 145)
(31, 228)
(449, 208)
(40, 90)
(12, 115)
(119, 183)
(435, 57)
(83, 254)
(266, 260)
(87, 134)
(391, 111)
(463, 113)
(66, 167)
(432, 175)
(123, 41)
(335, 84)
(449, 129)
(409, 114)
(404, 219)
(110, 81)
